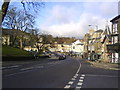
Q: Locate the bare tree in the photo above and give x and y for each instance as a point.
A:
(44, 41)
(5, 8)
(41, 41)
(26, 4)
(19, 22)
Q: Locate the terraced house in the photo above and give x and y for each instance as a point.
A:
(95, 45)
(85, 51)
(106, 40)
(114, 48)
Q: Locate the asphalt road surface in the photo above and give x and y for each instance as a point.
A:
(53, 73)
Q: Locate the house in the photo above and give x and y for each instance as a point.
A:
(5, 39)
(92, 44)
(29, 48)
(14, 37)
(106, 40)
(86, 41)
(64, 48)
(114, 48)
(77, 47)
(95, 44)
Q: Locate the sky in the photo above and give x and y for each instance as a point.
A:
(72, 19)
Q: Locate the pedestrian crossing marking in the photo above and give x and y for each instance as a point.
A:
(70, 82)
(81, 77)
(79, 83)
(67, 86)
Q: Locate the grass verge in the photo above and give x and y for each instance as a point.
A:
(8, 51)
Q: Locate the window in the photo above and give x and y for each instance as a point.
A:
(88, 47)
(112, 40)
(115, 39)
(92, 47)
(115, 31)
(73, 47)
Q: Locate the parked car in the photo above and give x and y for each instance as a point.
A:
(46, 54)
(62, 56)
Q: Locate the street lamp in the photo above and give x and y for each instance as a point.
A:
(89, 25)
(94, 25)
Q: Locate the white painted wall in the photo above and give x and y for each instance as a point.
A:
(77, 47)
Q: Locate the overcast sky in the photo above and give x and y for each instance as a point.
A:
(71, 19)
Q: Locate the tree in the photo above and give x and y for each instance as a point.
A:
(44, 42)
(40, 41)
(62, 40)
(19, 22)
(34, 5)
(5, 8)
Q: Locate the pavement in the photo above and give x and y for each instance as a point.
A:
(104, 65)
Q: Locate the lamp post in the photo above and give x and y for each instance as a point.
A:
(94, 25)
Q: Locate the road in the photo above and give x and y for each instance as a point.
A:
(53, 73)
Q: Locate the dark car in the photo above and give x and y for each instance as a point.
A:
(61, 57)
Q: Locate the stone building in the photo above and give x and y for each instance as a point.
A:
(114, 48)
(106, 40)
(85, 52)
(95, 45)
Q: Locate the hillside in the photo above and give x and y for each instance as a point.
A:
(8, 51)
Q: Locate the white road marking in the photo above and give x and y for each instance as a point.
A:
(39, 67)
(80, 80)
(22, 71)
(73, 79)
(10, 67)
(27, 68)
(67, 86)
(78, 86)
(15, 66)
(81, 77)
(79, 83)
(78, 68)
(75, 76)
(71, 82)
(2, 67)
(16, 73)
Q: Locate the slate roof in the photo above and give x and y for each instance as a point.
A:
(115, 18)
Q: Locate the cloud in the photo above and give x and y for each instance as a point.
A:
(61, 14)
(72, 22)
(109, 8)
(105, 9)
(75, 29)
